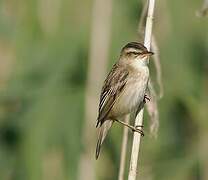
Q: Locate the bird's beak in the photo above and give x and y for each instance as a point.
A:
(148, 53)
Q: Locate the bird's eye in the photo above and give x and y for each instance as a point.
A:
(135, 53)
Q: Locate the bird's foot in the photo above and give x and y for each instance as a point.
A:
(138, 129)
(146, 98)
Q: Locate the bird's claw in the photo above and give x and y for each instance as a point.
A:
(139, 126)
(146, 97)
(138, 129)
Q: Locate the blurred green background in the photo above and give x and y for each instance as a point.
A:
(44, 59)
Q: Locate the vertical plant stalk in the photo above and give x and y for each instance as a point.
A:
(139, 118)
(98, 58)
(123, 149)
(151, 106)
(157, 63)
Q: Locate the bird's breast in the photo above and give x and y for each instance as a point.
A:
(132, 95)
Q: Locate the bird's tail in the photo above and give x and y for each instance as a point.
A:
(102, 134)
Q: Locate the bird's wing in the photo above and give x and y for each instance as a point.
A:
(112, 88)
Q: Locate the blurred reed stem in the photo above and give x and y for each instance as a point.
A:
(123, 149)
(98, 58)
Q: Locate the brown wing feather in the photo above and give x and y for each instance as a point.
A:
(113, 86)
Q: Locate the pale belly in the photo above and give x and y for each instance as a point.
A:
(131, 98)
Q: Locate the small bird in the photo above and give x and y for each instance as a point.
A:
(124, 89)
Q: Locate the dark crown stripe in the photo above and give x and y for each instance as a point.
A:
(135, 45)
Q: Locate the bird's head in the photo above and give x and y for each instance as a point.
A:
(135, 53)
